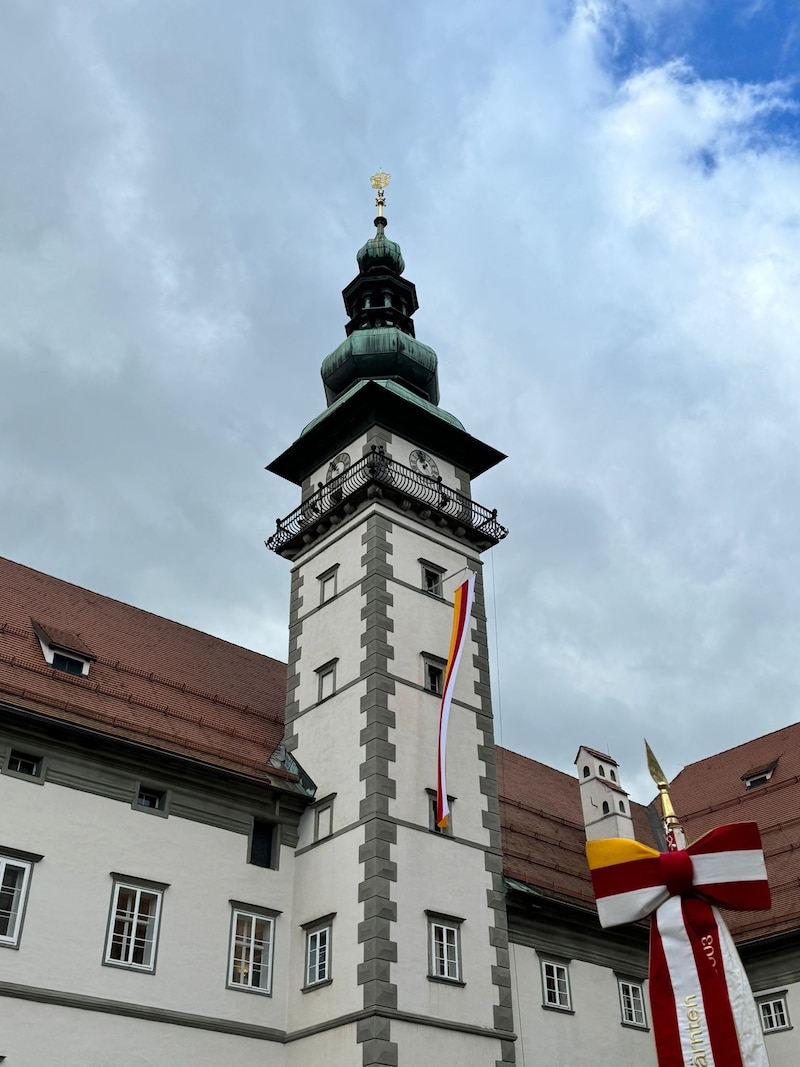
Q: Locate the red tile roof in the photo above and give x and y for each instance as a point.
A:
(711, 792)
(154, 681)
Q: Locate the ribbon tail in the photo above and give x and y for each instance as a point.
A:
(745, 1010)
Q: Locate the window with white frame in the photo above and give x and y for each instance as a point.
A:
(555, 986)
(433, 669)
(133, 924)
(444, 947)
(432, 578)
(631, 1003)
(447, 831)
(318, 951)
(250, 959)
(774, 1013)
(14, 880)
(328, 584)
(326, 680)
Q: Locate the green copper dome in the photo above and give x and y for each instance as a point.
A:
(381, 352)
(380, 252)
(380, 339)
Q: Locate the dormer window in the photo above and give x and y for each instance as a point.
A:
(63, 650)
(67, 664)
(759, 775)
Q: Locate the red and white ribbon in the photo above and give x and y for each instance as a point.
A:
(702, 1007)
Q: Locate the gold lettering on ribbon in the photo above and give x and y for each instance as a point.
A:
(694, 1022)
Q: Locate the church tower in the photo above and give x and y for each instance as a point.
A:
(399, 936)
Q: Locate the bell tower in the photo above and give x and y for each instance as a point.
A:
(399, 937)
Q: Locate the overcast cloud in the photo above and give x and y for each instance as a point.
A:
(601, 211)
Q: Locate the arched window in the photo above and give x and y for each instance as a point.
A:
(622, 807)
(606, 808)
(585, 772)
(602, 772)
(613, 776)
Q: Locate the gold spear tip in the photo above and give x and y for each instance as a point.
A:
(656, 773)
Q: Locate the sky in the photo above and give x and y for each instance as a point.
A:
(599, 203)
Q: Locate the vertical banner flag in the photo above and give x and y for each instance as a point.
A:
(462, 609)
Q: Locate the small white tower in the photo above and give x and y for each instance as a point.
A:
(606, 807)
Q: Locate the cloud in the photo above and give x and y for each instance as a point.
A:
(606, 258)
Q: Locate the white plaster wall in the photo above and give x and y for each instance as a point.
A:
(327, 880)
(591, 1036)
(414, 542)
(441, 875)
(39, 1035)
(65, 926)
(424, 1045)
(332, 1048)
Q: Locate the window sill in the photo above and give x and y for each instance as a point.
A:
(778, 1030)
(249, 989)
(561, 1011)
(641, 1027)
(446, 981)
(316, 985)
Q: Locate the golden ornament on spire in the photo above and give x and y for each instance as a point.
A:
(379, 181)
(675, 836)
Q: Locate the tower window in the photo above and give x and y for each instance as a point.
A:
(67, 664)
(151, 799)
(326, 680)
(319, 937)
(774, 1013)
(622, 807)
(432, 578)
(444, 940)
(555, 986)
(433, 674)
(250, 957)
(328, 584)
(606, 808)
(602, 772)
(586, 772)
(612, 775)
(445, 831)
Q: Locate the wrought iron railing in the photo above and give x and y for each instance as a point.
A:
(375, 475)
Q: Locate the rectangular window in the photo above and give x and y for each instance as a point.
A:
(328, 584)
(323, 820)
(151, 798)
(262, 841)
(447, 831)
(250, 965)
(774, 1013)
(432, 578)
(318, 954)
(133, 927)
(14, 878)
(445, 955)
(24, 763)
(433, 670)
(631, 1002)
(555, 986)
(67, 664)
(326, 680)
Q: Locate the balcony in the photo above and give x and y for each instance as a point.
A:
(376, 477)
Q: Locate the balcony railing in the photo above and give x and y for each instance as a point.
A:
(377, 476)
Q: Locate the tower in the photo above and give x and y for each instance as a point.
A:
(606, 807)
(399, 930)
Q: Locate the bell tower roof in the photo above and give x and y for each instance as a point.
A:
(380, 342)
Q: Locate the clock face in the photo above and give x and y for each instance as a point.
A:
(338, 465)
(423, 463)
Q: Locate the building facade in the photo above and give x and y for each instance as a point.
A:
(208, 855)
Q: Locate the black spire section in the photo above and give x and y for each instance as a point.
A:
(378, 295)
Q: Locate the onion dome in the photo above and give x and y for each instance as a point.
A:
(380, 341)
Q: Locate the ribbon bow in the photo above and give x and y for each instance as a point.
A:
(703, 1011)
(725, 866)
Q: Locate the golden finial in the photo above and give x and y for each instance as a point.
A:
(379, 181)
(675, 835)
